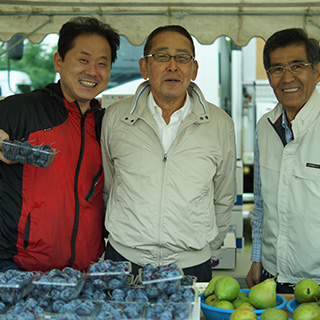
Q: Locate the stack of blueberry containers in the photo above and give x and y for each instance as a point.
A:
(107, 291)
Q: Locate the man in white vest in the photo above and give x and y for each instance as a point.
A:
(286, 218)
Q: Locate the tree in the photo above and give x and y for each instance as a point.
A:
(37, 62)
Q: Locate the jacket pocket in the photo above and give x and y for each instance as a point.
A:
(94, 183)
(306, 173)
(26, 233)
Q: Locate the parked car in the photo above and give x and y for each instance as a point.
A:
(13, 82)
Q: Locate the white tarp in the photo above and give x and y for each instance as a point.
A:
(205, 19)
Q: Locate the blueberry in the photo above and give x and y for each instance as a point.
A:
(188, 295)
(132, 312)
(118, 295)
(19, 307)
(38, 310)
(152, 291)
(166, 315)
(163, 298)
(114, 284)
(69, 315)
(186, 281)
(85, 309)
(21, 159)
(2, 307)
(36, 150)
(176, 297)
(99, 295)
(141, 298)
(47, 148)
(67, 294)
(130, 295)
(25, 149)
(57, 305)
(99, 284)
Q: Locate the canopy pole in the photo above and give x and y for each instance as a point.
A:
(309, 20)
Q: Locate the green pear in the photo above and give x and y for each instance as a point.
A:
(223, 304)
(306, 312)
(227, 288)
(317, 307)
(263, 295)
(312, 303)
(247, 305)
(307, 290)
(211, 299)
(243, 314)
(210, 288)
(241, 297)
(272, 314)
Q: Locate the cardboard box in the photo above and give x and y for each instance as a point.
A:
(228, 253)
(236, 223)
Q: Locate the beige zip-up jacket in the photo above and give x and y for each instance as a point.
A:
(174, 206)
(290, 188)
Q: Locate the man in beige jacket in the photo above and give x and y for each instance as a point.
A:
(169, 162)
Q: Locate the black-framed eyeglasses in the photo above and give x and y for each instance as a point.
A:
(294, 68)
(165, 57)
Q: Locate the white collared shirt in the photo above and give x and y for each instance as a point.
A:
(168, 132)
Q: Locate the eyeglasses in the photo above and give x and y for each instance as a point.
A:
(294, 68)
(165, 57)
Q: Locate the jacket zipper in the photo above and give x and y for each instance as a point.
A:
(160, 253)
(26, 233)
(76, 193)
(92, 189)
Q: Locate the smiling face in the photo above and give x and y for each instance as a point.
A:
(292, 91)
(169, 80)
(85, 70)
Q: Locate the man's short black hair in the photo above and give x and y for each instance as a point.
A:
(168, 28)
(292, 36)
(87, 25)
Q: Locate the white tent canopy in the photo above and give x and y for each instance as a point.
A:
(135, 19)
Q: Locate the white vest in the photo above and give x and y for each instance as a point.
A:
(290, 189)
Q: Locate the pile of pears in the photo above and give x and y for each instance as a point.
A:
(307, 294)
(224, 292)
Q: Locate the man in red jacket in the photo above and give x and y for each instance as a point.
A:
(52, 217)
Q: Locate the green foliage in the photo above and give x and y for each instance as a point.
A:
(37, 62)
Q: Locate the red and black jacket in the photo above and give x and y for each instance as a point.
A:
(52, 217)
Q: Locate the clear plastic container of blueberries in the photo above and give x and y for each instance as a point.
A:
(74, 309)
(160, 279)
(26, 153)
(177, 310)
(15, 285)
(110, 275)
(62, 285)
(122, 310)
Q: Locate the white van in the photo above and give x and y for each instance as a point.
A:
(20, 82)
